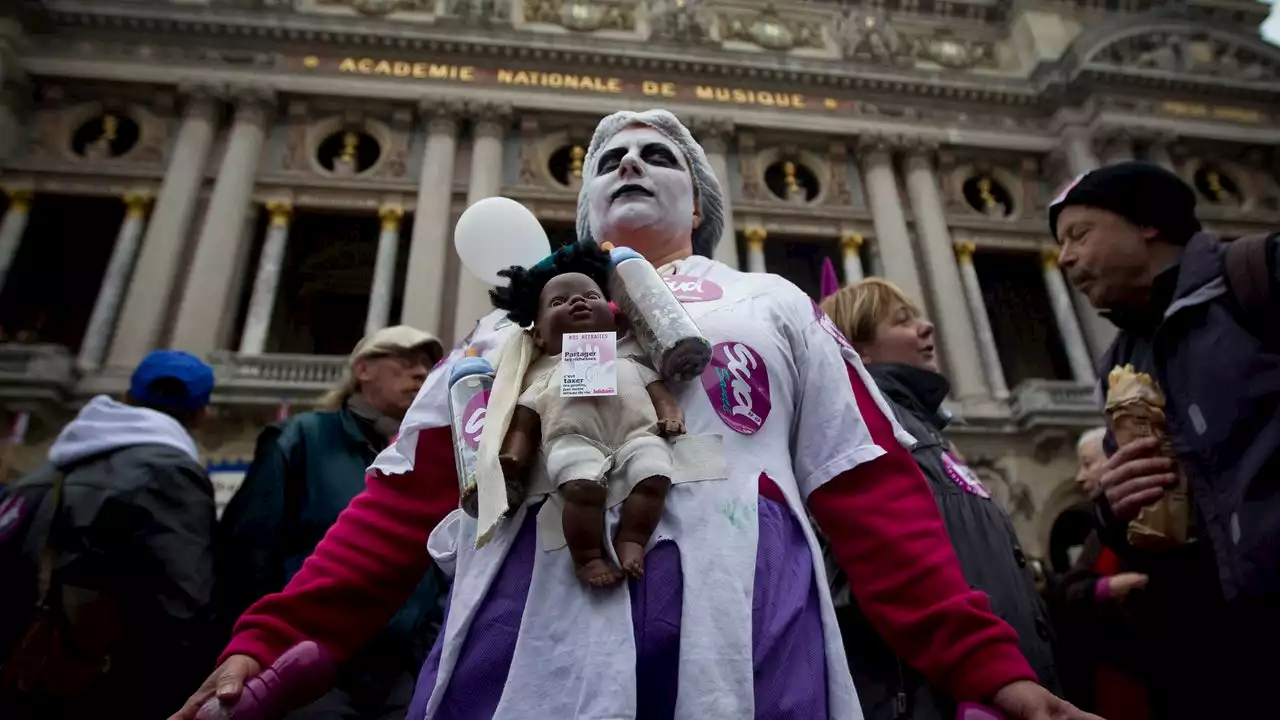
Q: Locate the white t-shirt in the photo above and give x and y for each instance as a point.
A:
(777, 391)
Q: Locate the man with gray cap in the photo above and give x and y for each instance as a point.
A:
(305, 470)
(1198, 315)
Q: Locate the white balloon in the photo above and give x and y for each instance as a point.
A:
(496, 233)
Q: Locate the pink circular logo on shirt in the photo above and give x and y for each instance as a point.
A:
(473, 419)
(737, 383)
(12, 511)
(830, 326)
(690, 289)
(962, 476)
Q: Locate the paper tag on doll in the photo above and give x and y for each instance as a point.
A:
(588, 366)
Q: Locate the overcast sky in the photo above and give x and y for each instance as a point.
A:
(1271, 28)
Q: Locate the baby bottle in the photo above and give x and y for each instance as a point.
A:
(469, 386)
(661, 324)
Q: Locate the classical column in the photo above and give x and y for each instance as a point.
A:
(851, 247)
(1117, 147)
(894, 242)
(489, 126)
(262, 304)
(1078, 147)
(755, 248)
(954, 326)
(12, 228)
(713, 135)
(1158, 153)
(206, 303)
(149, 297)
(1068, 326)
(429, 242)
(384, 269)
(1099, 332)
(114, 281)
(981, 321)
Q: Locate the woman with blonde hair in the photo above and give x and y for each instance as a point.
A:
(896, 342)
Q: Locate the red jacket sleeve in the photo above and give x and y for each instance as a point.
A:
(886, 534)
(365, 567)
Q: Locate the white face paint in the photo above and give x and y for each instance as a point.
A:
(642, 193)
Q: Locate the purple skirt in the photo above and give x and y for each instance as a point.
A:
(787, 641)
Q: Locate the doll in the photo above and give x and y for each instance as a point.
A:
(588, 442)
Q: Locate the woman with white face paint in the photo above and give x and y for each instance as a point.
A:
(732, 618)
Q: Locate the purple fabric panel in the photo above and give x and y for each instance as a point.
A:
(481, 671)
(788, 649)
(655, 616)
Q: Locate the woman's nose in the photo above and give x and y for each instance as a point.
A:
(630, 166)
(926, 328)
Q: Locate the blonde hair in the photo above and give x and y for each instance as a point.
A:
(859, 308)
(336, 398)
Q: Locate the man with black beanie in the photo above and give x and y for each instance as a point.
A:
(1199, 316)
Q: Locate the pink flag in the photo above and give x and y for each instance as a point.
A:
(830, 285)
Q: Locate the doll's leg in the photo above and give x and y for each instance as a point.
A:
(583, 524)
(641, 512)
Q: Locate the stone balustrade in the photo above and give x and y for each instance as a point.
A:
(270, 378)
(36, 372)
(1039, 403)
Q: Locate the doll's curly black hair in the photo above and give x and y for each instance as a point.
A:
(523, 291)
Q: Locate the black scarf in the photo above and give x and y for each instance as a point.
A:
(381, 427)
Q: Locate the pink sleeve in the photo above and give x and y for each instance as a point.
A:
(366, 566)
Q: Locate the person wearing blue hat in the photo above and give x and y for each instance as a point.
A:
(1197, 316)
(107, 555)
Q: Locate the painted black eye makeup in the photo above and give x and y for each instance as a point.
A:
(658, 154)
(609, 160)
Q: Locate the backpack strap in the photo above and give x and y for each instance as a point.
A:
(48, 555)
(1249, 274)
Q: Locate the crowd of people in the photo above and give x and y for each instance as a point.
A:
(843, 561)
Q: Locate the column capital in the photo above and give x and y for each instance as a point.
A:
(920, 148)
(755, 237)
(1049, 257)
(712, 132)
(391, 214)
(489, 118)
(851, 242)
(196, 90)
(280, 212)
(253, 103)
(965, 251)
(877, 148)
(19, 199)
(136, 205)
(441, 116)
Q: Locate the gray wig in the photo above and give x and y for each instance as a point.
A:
(710, 199)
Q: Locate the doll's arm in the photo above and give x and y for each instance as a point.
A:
(520, 443)
(670, 416)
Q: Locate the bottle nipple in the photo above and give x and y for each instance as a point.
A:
(471, 352)
(606, 246)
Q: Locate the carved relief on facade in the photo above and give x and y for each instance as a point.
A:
(748, 167)
(682, 21)
(1187, 51)
(1260, 164)
(530, 164)
(481, 13)
(98, 133)
(792, 175)
(378, 8)
(581, 15)
(1222, 185)
(769, 30)
(346, 146)
(838, 181)
(868, 37)
(981, 187)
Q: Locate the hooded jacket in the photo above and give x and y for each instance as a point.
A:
(985, 544)
(136, 525)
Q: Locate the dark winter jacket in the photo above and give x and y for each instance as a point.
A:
(136, 525)
(1219, 368)
(305, 471)
(985, 544)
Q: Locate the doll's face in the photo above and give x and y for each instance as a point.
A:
(570, 303)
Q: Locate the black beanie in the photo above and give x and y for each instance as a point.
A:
(1143, 193)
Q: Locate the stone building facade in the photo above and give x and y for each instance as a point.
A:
(263, 181)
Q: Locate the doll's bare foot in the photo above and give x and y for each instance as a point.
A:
(630, 557)
(599, 573)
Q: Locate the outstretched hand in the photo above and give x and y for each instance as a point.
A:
(227, 682)
(1025, 700)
